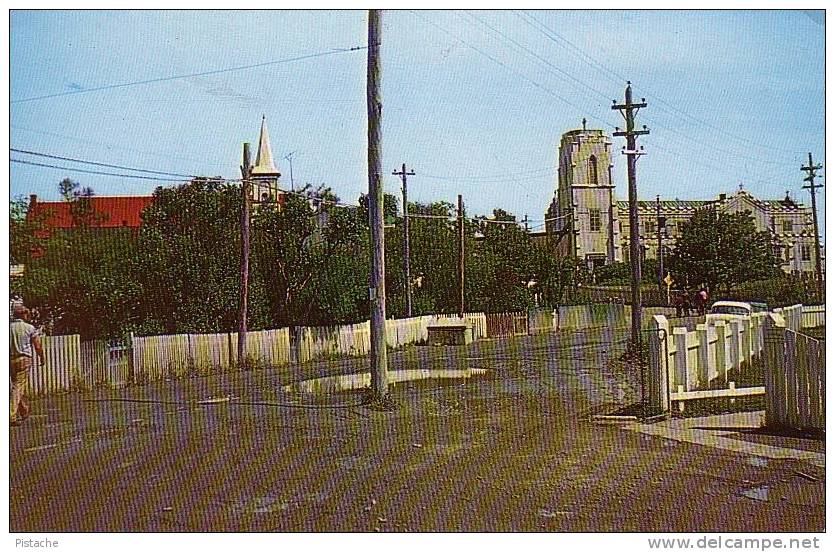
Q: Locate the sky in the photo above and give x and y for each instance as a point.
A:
(474, 102)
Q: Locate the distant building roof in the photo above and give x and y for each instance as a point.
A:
(111, 211)
(667, 204)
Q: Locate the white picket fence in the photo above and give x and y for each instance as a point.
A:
(71, 363)
(62, 368)
(795, 378)
(314, 343)
(690, 361)
(813, 316)
(162, 356)
(577, 317)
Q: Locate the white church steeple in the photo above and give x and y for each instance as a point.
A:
(264, 164)
(265, 175)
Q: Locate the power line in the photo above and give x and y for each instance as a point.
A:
(540, 58)
(99, 164)
(200, 74)
(530, 175)
(95, 172)
(494, 60)
(563, 99)
(109, 146)
(551, 34)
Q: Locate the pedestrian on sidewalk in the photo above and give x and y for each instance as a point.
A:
(23, 341)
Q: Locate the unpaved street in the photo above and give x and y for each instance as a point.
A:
(512, 451)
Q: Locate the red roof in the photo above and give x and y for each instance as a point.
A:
(113, 211)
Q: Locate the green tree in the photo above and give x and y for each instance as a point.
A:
(721, 250)
(189, 259)
(310, 257)
(81, 207)
(504, 265)
(83, 281)
(23, 231)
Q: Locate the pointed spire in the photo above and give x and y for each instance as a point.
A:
(264, 164)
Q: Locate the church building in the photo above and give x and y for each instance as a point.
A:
(586, 221)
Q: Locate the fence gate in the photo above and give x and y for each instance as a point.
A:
(795, 379)
(119, 363)
(507, 323)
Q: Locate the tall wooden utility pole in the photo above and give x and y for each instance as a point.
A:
(811, 187)
(377, 284)
(660, 222)
(628, 110)
(246, 173)
(407, 275)
(461, 279)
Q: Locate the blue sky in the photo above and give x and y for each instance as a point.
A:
(474, 102)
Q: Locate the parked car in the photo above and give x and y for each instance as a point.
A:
(759, 306)
(728, 310)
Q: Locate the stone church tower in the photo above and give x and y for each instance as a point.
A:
(265, 174)
(582, 220)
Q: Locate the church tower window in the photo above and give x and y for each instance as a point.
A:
(592, 170)
(594, 220)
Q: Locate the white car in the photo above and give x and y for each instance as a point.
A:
(728, 310)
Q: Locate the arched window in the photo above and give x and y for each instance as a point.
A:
(592, 170)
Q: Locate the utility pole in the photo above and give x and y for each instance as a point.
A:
(629, 110)
(407, 275)
(660, 223)
(289, 158)
(527, 230)
(810, 169)
(377, 284)
(460, 256)
(246, 173)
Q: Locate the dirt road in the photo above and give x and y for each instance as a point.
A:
(513, 451)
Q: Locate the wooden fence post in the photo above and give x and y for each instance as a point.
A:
(680, 338)
(658, 359)
(703, 366)
(734, 360)
(721, 352)
(774, 375)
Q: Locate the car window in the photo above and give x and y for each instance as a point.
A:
(729, 309)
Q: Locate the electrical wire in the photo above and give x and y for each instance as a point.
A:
(551, 34)
(38, 154)
(199, 74)
(21, 161)
(494, 60)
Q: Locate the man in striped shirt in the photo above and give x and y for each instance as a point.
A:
(23, 339)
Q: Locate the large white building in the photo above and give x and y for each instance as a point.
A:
(586, 221)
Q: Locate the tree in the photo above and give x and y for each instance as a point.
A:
(23, 229)
(81, 208)
(556, 275)
(721, 249)
(434, 258)
(189, 259)
(503, 262)
(310, 258)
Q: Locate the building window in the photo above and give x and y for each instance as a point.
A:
(649, 227)
(787, 226)
(805, 253)
(592, 170)
(594, 220)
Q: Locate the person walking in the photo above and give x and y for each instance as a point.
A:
(23, 341)
(704, 298)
